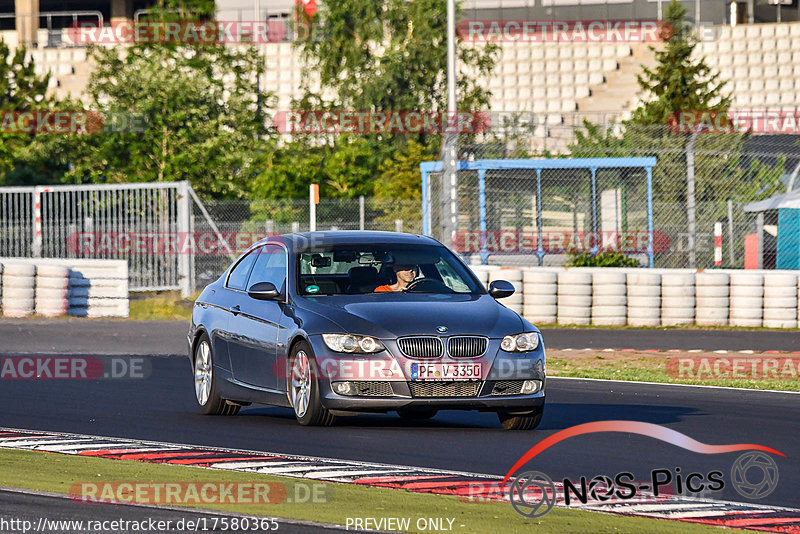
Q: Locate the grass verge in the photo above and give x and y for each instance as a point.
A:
(57, 473)
(652, 367)
(161, 307)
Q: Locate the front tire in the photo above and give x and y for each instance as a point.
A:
(304, 389)
(205, 382)
(521, 422)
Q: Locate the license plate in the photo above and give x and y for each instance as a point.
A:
(446, 371)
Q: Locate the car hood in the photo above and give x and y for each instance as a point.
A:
(386, 315)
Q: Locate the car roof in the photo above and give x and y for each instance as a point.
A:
(316, 240)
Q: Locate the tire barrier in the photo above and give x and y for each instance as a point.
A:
(780, 301)
(572, 309)
(677, 299)
(19, 282)
(53, 287)
(540, 296)
(51, 290)
(644, 299)
(712, 299)
(667, 297)
(609, 298)
(746, 299)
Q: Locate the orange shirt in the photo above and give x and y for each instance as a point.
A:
(383, 289)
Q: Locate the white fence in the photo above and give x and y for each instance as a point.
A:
(58, 222)
(651, 297)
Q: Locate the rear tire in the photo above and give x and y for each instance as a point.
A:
(303, 389)
(205, 382)
(418, 414)
(521, 422)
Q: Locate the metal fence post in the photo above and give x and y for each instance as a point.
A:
(184, 212)
(361, 213)
(730, 232)
(650, 216)
(690, 205)
(482, 213)
(540, 247)
(426, 221)
(37, 222)
(595, 248)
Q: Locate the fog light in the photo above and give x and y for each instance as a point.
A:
(344, 388)
(529, 387)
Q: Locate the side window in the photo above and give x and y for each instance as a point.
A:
(270, 266)
(239, 274)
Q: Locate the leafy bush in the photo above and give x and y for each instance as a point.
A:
(601, 259)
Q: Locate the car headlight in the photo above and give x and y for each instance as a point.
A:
(520, 342)
(352, 343)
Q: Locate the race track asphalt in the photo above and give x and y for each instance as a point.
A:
(96, 336)
(161, 407)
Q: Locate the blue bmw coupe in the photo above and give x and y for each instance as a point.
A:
(337, 323)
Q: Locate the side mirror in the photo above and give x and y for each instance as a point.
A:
(263, 291)
(500, 289)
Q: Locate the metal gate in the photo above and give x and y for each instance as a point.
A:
(120, 221)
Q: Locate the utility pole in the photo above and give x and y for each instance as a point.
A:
(449, 154)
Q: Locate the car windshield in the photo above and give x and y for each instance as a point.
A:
(361, 269)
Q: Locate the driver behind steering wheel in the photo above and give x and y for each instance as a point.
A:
(405, 275)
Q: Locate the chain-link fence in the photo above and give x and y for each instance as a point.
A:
(699, 179)
(232, 225)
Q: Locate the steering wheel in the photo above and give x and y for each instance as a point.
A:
(428, 285)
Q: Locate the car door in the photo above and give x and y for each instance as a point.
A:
(254, 326)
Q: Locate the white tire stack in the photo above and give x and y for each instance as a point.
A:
(574, 297)
(780, 300)
(712, 298)
(540, 296)
(609, 298)
(677, 299)
(99, 292)
(644, 299)
(19, 281)
(746, 299)
(482, 274)
(51, 290)
(514, 276)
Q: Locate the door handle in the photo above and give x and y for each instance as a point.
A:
(236, 310)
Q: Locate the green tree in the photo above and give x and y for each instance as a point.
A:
(199, 104)
(679, 81)
(388, 55)
(20, 90)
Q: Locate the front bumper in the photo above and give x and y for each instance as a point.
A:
(387, 391)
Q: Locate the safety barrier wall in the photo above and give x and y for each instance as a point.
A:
(651, 297)
(63, 286)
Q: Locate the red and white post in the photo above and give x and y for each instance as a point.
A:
(718, 244)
